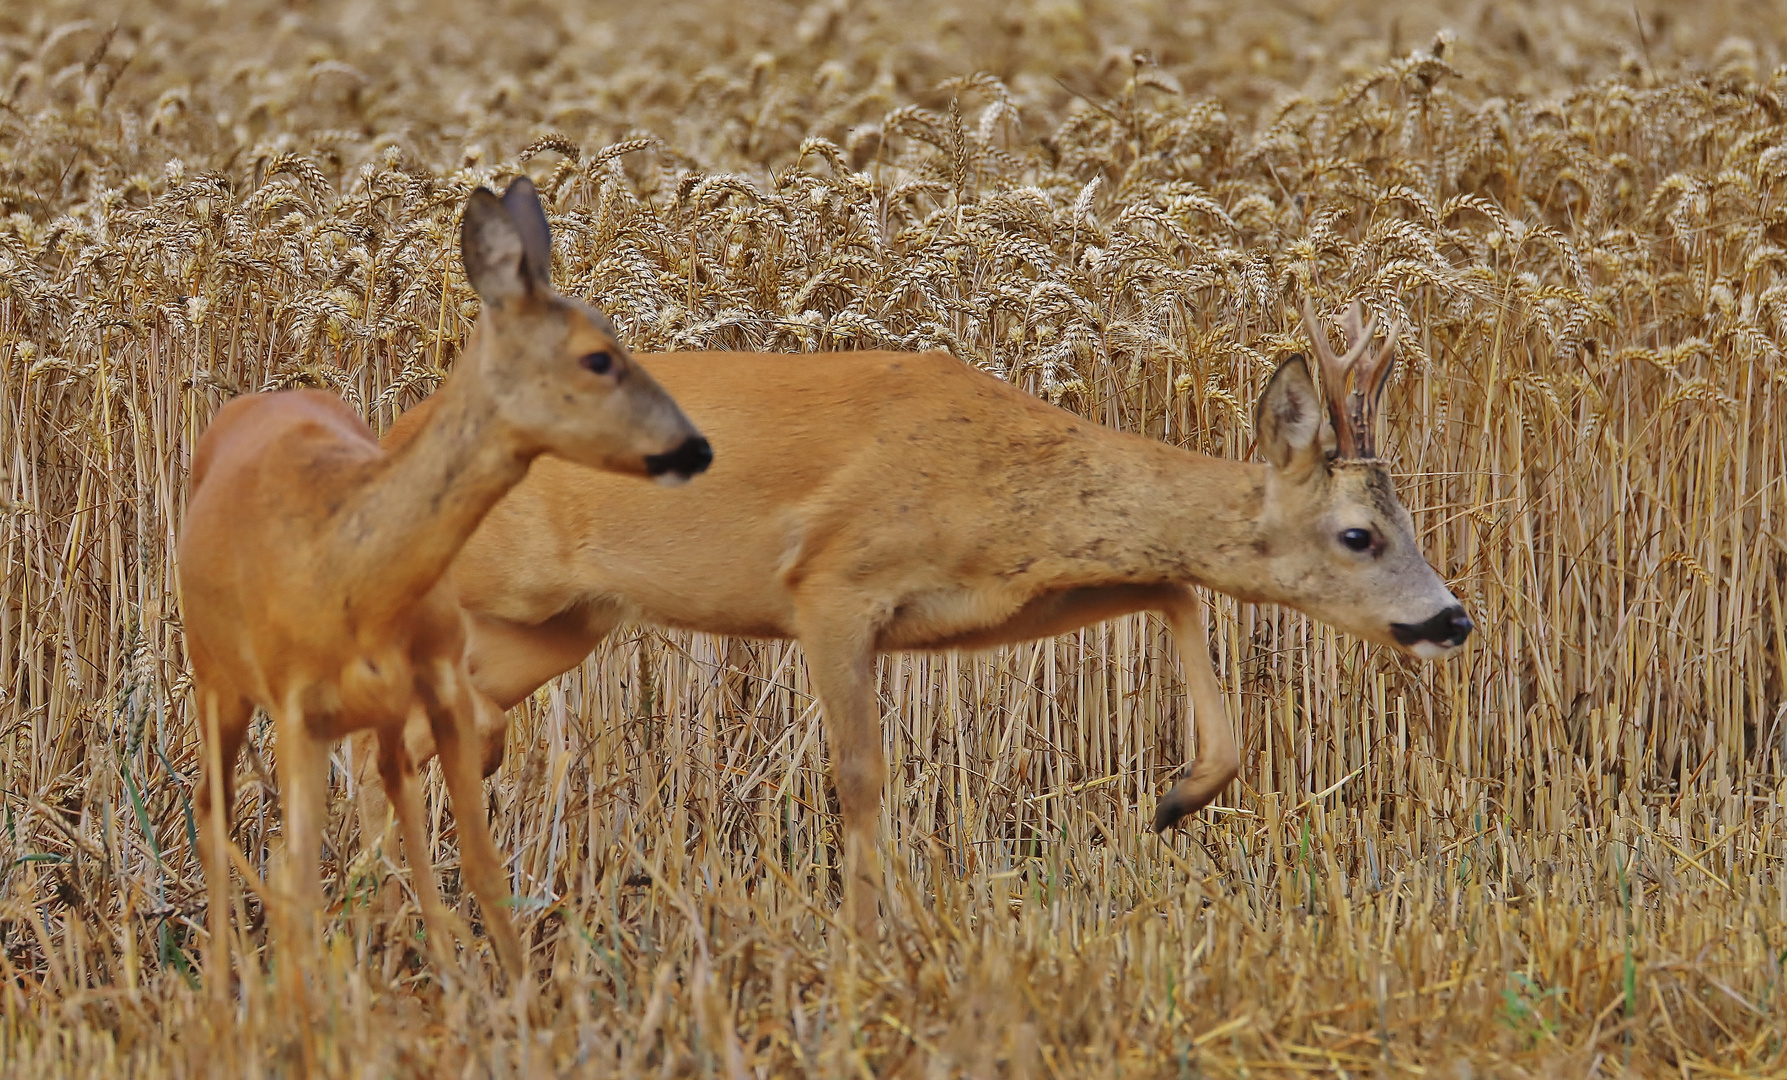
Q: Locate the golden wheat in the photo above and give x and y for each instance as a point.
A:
(1559, 854)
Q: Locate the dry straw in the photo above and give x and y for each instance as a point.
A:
(1561, 852)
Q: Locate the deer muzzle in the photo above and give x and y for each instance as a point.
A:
(1436, 636)
(680, 465)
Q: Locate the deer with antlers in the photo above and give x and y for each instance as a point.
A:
(311, 562)
(869, 502)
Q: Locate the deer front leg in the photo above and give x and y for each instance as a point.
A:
(223, 722)
(508, 661)
(397, 771)
(1218, 758)
(842, 665)
(304, 802)
(490, 731)
(452, 713)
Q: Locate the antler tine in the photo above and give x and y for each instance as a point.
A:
(1334, 371)
(1353, 404)
(1357, 339)
(1373, 377)
(1349, 325)
(1318, 341)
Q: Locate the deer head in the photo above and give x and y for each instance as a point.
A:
(1339, 544)
(555, 369)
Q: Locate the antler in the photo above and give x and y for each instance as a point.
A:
(1352, 409)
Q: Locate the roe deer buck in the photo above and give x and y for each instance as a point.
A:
(869, 502)
(312, 563)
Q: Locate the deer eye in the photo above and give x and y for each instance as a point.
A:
(1356, 539)
(599, 361)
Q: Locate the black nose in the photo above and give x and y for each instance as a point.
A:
(1449, 628)
(692, 457)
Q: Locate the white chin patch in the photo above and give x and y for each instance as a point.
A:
(670, 479)
(1429, 650)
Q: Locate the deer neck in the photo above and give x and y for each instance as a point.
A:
(406, 525)
(1180, 518)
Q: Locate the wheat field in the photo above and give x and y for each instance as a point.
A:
(1558, 854)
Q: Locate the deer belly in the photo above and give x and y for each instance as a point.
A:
(948, 619)
(964, 619)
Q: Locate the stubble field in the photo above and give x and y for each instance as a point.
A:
(1558, 854)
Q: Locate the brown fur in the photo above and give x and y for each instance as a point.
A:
(874, 501)
(311, 567)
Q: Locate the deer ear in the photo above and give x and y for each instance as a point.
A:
(523, 203)
(491, 245)
(1289, 424)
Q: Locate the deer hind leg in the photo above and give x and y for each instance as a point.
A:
(224, 716)
(842, 667)
(304, 802)
(452, 712)
(397, 772)
(1218, 758)
(372, 801)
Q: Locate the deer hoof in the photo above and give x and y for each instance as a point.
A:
(1174, 807)
(1189, 794)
